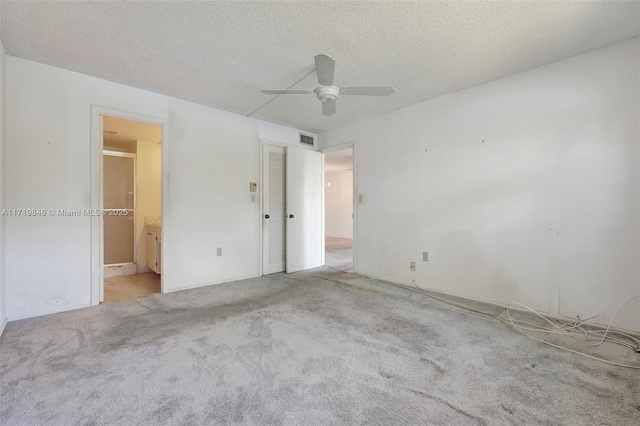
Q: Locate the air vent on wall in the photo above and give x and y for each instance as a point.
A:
(307, 140)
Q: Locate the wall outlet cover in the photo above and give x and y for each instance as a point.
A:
(219, 251)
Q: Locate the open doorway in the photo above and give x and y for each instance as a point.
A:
(338, 182)
(132, 205)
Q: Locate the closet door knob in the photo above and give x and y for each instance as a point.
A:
(266, 216)
(290, 216)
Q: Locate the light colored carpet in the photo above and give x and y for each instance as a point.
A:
(339, 253)
(318, 347)
(128, 287)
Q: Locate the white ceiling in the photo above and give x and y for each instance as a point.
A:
(222, 53)
(338, 161)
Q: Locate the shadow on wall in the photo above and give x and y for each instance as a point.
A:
(471, 273)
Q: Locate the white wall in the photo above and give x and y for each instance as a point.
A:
(339, 204)
(517, 188)
(212, 165)
(48, 141)
(217, 157)
(213, 155)
(3, 316)
(148, 193)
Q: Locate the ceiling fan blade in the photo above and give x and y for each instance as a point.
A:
(325, 66)
(368, 90)
(328, 108)
(287, 92)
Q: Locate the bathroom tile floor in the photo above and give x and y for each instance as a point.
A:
(128, 287)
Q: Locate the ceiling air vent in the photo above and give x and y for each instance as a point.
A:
(307, 140)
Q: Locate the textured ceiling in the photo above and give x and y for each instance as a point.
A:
(222, 53)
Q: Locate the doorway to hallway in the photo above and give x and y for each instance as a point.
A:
(338, 180)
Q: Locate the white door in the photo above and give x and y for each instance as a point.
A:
(273, 209)
(304, 189)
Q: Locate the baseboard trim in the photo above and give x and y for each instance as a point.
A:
(230, 280)
(2, 326)
(521, 311)
(47, 312)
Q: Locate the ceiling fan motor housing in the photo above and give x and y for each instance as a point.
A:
(327, 93)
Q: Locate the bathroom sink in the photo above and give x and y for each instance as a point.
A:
(154, 221)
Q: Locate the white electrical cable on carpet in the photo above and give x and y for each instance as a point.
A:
(572, 350)
(564, 329)
(575, 324)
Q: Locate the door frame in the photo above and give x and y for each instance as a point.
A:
(261, 189)
(351, 144)
(96, 284)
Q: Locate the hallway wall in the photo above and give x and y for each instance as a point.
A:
(339, 204)
(148, 194)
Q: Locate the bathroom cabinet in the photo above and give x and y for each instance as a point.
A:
(154, 249)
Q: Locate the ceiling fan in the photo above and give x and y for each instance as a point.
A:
(327, 92)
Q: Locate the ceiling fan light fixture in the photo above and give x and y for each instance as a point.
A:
(327, 93)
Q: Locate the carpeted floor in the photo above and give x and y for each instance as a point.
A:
(339, 253)
(318, 347)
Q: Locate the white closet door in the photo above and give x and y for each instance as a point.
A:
(304, 181)
(273, 209)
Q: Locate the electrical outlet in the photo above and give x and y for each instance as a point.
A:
(412, 266)
(219, 251)
(425, 256)
(253, 198)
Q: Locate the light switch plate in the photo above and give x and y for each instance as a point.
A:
(219, 251)
(253, 186)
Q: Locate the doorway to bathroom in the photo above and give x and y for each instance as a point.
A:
(131, 208)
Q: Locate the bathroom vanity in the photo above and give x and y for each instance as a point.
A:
(153, 230)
